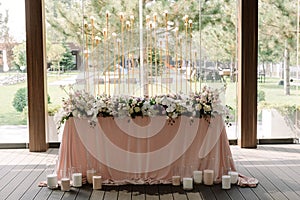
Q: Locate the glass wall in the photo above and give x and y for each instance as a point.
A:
(278, 70)
(142, 48)
(219, 52)
(13, 86)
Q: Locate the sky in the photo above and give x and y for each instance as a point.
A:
(16, 13)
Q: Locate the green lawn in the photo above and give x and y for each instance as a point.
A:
(8, 114)
(274, 94)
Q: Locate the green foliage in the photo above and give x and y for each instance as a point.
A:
(276, 29)
(20, 99)
(19, 54)
(155, 62)
(4, 29)
(261, 95)
(67, 61)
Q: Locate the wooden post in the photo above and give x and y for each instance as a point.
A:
(247, 73)
(36, 75)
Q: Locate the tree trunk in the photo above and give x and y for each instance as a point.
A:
(286, 71)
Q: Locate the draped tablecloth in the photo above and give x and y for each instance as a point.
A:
(146, 150)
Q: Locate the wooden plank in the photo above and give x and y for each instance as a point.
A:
(205, 191)
(234, 193)
(219, 193)
(259, 191)
(260, 163)
(165, 192)
(179, 193)
(247, 193)
(124, 192)
(152, 192)
(84, 192)
(26, 178)
(44, 193)
(70, 195)
(55, 194)
(111, 192)
(97, 195)
(289, 162)
(258, 172)
(9, 160)
(138, 192)
(194, 194)
(13, 178)
(268, 170)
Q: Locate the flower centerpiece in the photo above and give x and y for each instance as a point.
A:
(81, 104)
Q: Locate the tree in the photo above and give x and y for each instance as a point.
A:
(67, 61)
(54, 55)
(278, 34)
(19, 56)
(5, 38)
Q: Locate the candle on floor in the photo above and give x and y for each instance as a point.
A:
(187, 183)
(97, 182)
(175, 180)
(226, 182)
(52, 181)
(89, 175)
(65, 184)
(197, 176)
(77, 179)
(234, 177)
(208, 177)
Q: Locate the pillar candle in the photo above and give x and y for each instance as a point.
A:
(65, 184)
(52, 181)
(208, 177)
(175, 180)
(89, 175)
(226, 182)
(234, 177)
(197, 176)
(187, 183)
(97, 182)
(77, 179)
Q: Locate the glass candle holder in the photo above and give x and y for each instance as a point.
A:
(76, 177)
(89, 175)
(65, 182)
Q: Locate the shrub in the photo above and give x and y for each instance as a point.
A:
(20, 99)
(261, 96)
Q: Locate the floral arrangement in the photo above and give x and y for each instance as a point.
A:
(82, 104)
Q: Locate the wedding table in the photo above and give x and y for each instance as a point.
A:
(146, 150)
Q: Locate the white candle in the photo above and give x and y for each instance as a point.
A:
(65, 184)
(226, 182)
(175, 180)
(208, 177)
(234, 177)
(77, 179)
(89, 175)
(52, 181)
(187, 183)
(97, 182)
(197, 176)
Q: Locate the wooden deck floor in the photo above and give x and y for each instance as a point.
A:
(277, 167)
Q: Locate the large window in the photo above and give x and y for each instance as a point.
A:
(142, 48)
(278, 70)
(13, 86)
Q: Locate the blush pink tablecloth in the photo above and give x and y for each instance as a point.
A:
(146, 150)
